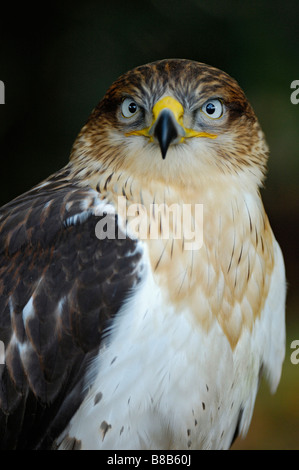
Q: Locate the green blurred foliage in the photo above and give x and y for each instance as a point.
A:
(58, 59)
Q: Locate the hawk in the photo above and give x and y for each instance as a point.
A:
(117, 339)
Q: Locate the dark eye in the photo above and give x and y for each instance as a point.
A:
(129, 107)
(213, 109)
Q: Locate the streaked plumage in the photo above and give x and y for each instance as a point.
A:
(133, 343)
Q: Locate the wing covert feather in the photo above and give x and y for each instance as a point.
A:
(60, 286)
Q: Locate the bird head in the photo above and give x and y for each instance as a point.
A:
(175, 120)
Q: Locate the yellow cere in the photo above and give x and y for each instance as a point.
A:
(172, 105)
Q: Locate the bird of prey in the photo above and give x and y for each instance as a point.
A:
(119, 339)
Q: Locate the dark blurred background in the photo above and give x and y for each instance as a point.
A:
(57, 60)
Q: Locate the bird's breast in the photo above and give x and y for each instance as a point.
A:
(214, 262)
(210, 248)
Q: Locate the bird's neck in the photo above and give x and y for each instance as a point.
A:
(217, 193)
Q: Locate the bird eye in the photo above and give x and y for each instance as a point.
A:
(129, 107)
(213, 109)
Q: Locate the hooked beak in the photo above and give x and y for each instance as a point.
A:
(167, 125)
(166, 130)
